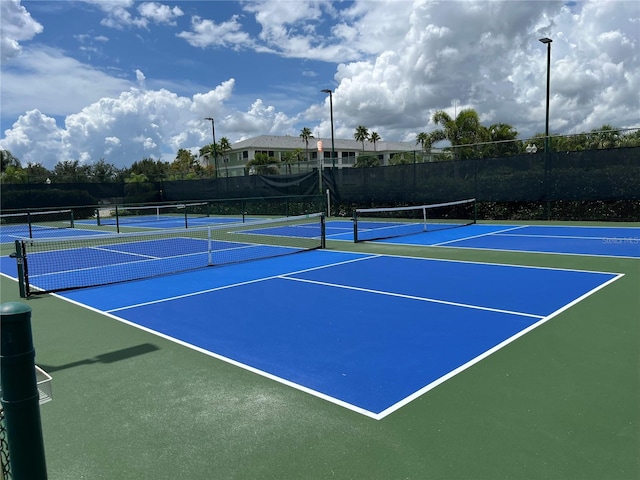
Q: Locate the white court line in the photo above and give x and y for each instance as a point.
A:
(413, 297)
(335, 401)
(477, 262)
(244, 366)
(133, 254)
(571, 237)
(537, 252)
(484, 355)
(233, 285)
(498, 232)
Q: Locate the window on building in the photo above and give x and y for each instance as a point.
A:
(348, 157)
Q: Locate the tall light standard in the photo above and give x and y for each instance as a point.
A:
(215, 154)
(547, 41)
(333, 150)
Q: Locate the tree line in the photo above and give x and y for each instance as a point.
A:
(465, 136)
(468, 138)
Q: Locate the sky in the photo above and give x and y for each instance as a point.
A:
(124, 80)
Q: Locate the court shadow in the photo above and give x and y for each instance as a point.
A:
(109, 357)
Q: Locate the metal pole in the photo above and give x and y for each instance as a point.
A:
(20, 397)
(333, 150)
(215, 153)
(546, 125)
(547, 41)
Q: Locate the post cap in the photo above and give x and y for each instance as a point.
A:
(14, 308)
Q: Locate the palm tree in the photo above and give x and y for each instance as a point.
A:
(373, 138)
(465, 129)
(223, 147)
(306, 135)
(362, 134)
(502, 138)
(291, 157)
(423, 140)
(185, 163)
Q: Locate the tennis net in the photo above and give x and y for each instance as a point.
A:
(27, 224)
(51, 265)
(173, 215)
(381, 223)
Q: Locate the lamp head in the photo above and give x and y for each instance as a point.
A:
(546, 40)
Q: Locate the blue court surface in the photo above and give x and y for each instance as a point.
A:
(11, 233)
(367, 332)
(568, 240)
(166, 221)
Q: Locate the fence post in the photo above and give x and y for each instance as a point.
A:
(20, 398)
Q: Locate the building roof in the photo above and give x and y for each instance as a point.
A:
(275, 142)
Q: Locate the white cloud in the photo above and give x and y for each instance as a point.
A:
(141, 79)
(160, 14)
(137, 124)
(486, 56)
(16, 25)
(400, 62)
(285, 31)
(37, 139)
(119, 16)
(63, 84)
(207, 33)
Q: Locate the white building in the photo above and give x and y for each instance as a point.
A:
(294, 157)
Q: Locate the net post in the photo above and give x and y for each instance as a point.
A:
(20, 397)
(323, 232)
(209, 247)
(424, 218)
(475, 211)
(328, 203)
(22, 269)
(29, 223)
(71, 218)
(98, 216)
(117, 220)
(355, 226)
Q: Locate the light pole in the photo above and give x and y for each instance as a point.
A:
(333, 150)
(547, 41)
(215, 154)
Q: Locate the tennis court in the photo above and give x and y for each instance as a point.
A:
(567, 240)
(398, 326)
(255, 369)
(40, 224)
(440, 225)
